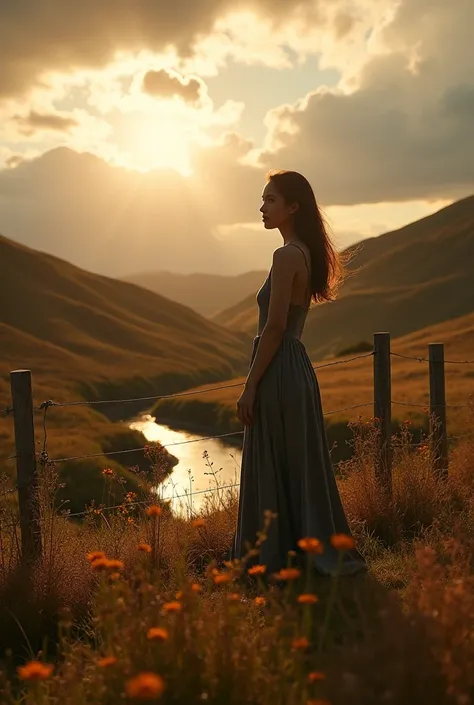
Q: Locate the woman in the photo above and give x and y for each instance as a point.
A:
(286, 466)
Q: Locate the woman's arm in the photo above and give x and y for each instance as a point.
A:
(284, 268)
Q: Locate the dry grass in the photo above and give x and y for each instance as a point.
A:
(232, 638)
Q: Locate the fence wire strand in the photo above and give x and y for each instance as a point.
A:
(426, 359)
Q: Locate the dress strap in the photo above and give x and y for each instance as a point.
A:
(307, 266)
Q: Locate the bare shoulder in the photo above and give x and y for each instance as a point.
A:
(286, 255)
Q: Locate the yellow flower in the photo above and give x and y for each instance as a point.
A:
(144, 547)
(172, 607)
(157, 634)
(106, 661)
(342, 542)
(315, 676)
(300, 643)
(35, 671)
(222, 578)
(198, 523)
(95, 555)
(311, 545)
(288, 574)
(145, 686)
(260, 601)
(308, 599)
(195, 587)
(257, 570)
(154, 511)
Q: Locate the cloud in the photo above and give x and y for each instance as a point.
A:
(404, 131)
(34, 121)
(42, 36)
(165, 84)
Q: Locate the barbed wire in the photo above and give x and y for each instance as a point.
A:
(426, 359)
(426, 406)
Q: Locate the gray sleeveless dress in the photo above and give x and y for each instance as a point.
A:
(286, 465)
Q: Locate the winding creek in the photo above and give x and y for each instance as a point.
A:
(193, 478)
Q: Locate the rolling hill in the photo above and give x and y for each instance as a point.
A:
(205, 293)
(408, 279)
(86, 336)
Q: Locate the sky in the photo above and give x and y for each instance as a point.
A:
(136, 136)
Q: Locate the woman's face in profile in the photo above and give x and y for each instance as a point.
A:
(275, 211)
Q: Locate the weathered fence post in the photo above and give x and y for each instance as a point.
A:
(438, 431)
(383, 408)
(27, 479)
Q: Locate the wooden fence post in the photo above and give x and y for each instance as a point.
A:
(383, 408)
(438, 431)
(27, 478)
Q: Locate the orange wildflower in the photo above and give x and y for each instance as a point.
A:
(144, 547)
(260, 601)
(342, 542)
(107, 471)
(315, 676)
(157, 634)
(35, 671)
(288, 574)
(233, 596)
(145, 686)
(222, 578)
(115, 576)
(172, 607)
(195, 587)
(95, 555)
(257, 570)
(300, 643)
(114, 564)
(154, 511)
(311, 545)
(100, 564)
(308, 599)
(198, 523)
(106, 661)
(179, 595)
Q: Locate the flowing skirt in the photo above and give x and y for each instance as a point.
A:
(287, 469)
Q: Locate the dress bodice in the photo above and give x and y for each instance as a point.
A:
(296, 313)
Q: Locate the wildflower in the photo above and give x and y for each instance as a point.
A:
(179, 595)
(233, 596)
(260, 601)
(315, 676)
(311, 545)
(300, 643)
(154, 511)
(288, 574)
(157, 634)
(195, 587)
(308, 599)
(144, 547)
(114, 576)
(342, 542)
(172, 607)
(100, 564)
(95, 555)
(107, 471)
(106, 661)
(145, 686)
(198, 523)
(257, 570)
(222, 578)
(35, 671)
(114, 564)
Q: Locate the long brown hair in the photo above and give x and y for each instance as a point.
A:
(328, 266)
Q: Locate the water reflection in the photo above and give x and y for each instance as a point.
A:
(193, 478)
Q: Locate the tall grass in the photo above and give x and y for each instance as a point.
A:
(161, 615)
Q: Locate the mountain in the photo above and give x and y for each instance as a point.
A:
(205, 293)
(86, 336)
(406, 280)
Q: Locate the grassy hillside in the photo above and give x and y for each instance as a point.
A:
(205, 293)
(352, 383)
(86, 336)
(408, 279)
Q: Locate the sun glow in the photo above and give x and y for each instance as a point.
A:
(158, 141)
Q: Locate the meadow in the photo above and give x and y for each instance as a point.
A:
(140, 605)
